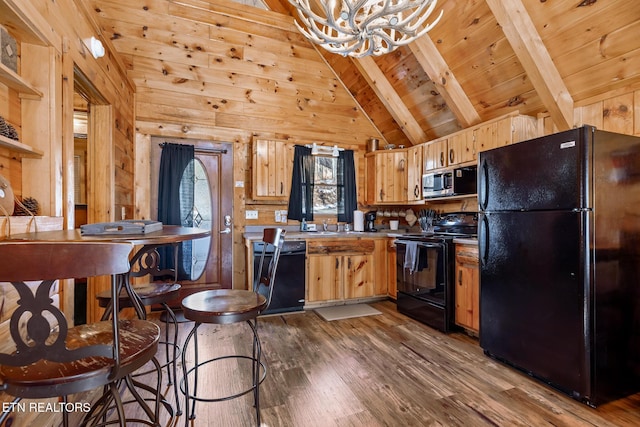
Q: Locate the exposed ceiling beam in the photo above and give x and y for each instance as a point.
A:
(390, 98)
(378, 82)
(534, 57)
(438, 71)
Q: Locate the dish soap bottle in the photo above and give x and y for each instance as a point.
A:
(303, 224)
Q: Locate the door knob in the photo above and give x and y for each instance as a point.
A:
(225, 231)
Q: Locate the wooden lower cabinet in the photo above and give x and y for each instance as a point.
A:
(392, 279)
(345, 269)
(467, 287)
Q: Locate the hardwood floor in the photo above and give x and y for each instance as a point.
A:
(384, 370)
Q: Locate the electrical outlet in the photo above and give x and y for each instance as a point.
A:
(278, 216)
(251, 215)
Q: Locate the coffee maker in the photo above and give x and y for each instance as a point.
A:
(369, 221)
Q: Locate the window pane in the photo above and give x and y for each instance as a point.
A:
(325, 194)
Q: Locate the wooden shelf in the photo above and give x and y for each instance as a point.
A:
(14, 81)
(17, 147)
(24, 22)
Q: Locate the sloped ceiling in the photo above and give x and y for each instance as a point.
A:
(491, 57)
(486, 58)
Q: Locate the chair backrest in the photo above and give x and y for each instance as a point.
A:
(147, 262)
(265, 275)
(38, 328)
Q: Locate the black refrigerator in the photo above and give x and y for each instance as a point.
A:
(559, 241)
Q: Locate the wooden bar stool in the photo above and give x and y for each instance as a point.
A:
(51, 359)
(146, 262)
(225, 306)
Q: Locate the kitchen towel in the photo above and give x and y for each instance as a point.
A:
(411, 257)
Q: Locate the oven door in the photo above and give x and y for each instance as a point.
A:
(421, 270)
(424, 275)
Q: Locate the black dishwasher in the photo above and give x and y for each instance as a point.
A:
(288, 293)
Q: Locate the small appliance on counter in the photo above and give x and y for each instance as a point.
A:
(369, 220)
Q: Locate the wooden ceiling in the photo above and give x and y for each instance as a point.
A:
(485, 58)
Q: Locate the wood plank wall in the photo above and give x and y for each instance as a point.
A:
(47, 124)
(202, 73)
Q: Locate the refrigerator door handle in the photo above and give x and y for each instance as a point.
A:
(483, 185)
(483, 238)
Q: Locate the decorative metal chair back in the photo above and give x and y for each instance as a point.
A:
(273, 238)
(37, 327)
(147, 262)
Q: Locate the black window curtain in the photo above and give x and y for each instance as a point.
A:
(302, 182)
(301, 196)
(347, 197)
(175, 201)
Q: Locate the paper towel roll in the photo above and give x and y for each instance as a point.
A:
(358, 221)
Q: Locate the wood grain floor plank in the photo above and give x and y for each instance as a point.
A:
(384, 370)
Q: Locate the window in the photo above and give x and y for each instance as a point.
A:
(322, 185)
(325, 188)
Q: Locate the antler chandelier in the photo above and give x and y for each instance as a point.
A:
(364, 27)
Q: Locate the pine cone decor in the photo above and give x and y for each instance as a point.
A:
(29, 206)
(7, 130)
(4, 127)
(12, 133)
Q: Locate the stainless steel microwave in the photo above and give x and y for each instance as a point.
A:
(450, 182)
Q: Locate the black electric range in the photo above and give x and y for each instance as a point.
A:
(425, 270)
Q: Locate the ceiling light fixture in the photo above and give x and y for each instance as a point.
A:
(361, 28)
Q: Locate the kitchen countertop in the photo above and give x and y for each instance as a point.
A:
(304, 235)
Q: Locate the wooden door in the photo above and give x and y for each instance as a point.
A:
(323, 278)
(461, 148)
(486, 137)
(467, 293)
(435, 154)
(358, 276)
(216, 159)
(414, 173)
(272, 168)
(218, 271)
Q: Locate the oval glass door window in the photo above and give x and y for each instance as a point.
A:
(202, 218)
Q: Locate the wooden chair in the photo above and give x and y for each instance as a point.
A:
(146, 262)
(51, 359)
(225, 306)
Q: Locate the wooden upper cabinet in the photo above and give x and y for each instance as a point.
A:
(504, 131)
(464, 146)
(461, 148)
(414, 173)
(386, 177)
(272, 169)
(435, 154)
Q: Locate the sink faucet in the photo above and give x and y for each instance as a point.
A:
(324, 225)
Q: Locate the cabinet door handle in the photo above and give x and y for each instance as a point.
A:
(451, 155)
(442, 158)
(281, 187)
(460, 277)
(337, 263)
(381, 195)
(401, 165)
(416, 191)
